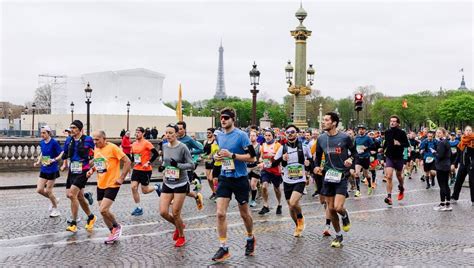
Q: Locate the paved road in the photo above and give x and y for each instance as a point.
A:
(410, 233)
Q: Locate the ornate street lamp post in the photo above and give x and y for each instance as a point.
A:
(128, 114)
(254, 81)
(88, 91)
(72, 111)
(33, 107)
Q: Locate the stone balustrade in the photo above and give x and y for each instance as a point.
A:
(20, 154)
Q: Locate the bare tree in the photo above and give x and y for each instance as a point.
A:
(43, 99)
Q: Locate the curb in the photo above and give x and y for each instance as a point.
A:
(62, 184)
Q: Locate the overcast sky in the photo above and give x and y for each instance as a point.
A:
(399, 47)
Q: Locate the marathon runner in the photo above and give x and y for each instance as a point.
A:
(49, 156)
(79, 151)
(270, 174)
(374, 161)
(177, 161)
(466, 164)
(453, 143)
(427, 149)
(364, 144)
(253, 169)
(195, 148)
(107, 160)
(235, 150)
(443, 166)
(208, 161)
(413, 151)
(336, 147)
(295, 160)
(143, 155)
(394, 144)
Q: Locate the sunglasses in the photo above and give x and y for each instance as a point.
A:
(290, 131)
(225, 117)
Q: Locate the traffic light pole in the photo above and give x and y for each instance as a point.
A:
(357, 119)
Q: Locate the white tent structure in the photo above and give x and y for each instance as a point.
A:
(112, 90)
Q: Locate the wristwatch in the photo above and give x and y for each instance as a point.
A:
(233, 155)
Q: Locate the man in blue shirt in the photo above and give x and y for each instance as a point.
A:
(51, 153)
(363, 144)
(235, 151)
(78, 153)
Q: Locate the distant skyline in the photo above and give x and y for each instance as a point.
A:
(399, 47)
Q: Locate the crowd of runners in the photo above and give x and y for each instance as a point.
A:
(246, 163)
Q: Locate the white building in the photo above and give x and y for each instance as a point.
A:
(112, 90)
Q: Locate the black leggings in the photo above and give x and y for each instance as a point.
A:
(463, 171)
(443, 179)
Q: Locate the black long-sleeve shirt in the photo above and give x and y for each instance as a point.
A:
(443, 156)
(391, 150)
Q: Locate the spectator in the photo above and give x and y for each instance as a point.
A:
(127, 145)
(154, 133)
(122, 133)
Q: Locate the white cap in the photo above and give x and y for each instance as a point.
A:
(47, 128)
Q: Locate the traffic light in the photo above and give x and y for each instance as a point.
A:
(358, 101)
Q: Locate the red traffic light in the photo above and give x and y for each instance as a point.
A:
(358, 97)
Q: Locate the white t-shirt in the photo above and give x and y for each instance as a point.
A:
(294, 172)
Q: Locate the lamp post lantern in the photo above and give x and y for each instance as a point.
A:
(320, 116)
(33, 106)
(88, 91)
(298, 86)
(212, 117)
(254, 81)
(72, 111)
(128, 114)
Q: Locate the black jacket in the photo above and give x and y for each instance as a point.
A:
(443, 156)
(391, 150)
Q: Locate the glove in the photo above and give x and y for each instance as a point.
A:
(161, 168)
(173, 163)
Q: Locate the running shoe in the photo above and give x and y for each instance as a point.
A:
(401, 194)
(315, 194)
(89, 197)
(250, 246)
(117, 232)
(369, 191)
(176, 233)
(337, 242)
(264, 210)
(199, 201)
(447, 208)
(137, 211)
(439, 207)
(90, 223)
(180, 242)
(365, 181)
(197, 185)
(327, 230)
(300, 226)
(384, 180)
(388, 201)
(357, 193)
(422, 178)
(71, 228)
(55, 213)
(158, 189)
(110, 239)
(213, 196)
(278, 210)
(253, 203)
(428, 186)
(346, 223)
(221, 255)
(374, 185)
(453, 201)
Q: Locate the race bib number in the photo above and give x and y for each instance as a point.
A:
(453, 150)
(45, 160)
(429, 159)
(295, 171)
(100, 165)
(137, 158)
(360, 149)
(267, 163)
(171, 173)
(333, 176)
(228, 164)
(76, 167)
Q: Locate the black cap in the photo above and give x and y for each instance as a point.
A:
(78, 124)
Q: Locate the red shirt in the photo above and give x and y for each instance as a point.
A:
(126, 145)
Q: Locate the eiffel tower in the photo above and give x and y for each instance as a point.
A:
(220, 87)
